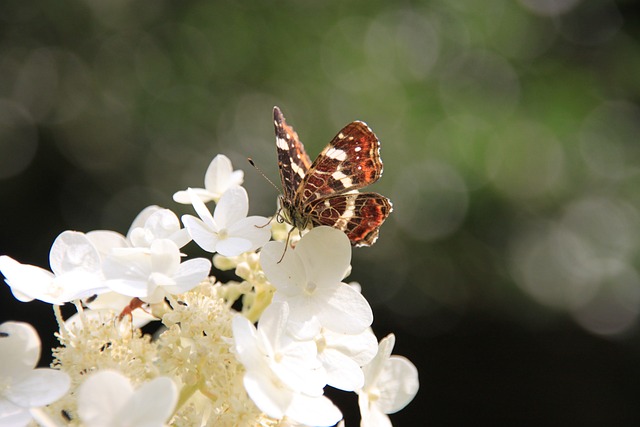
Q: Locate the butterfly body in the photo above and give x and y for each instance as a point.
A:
(325, 192)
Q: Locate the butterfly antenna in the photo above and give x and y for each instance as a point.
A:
(252, 163)
(286, 245)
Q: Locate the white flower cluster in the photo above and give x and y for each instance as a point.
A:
(254, 352)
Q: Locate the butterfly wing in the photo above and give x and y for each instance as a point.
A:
(350, 161)
(359, 215)
(293, 161)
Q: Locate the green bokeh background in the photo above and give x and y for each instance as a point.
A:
(511, 141)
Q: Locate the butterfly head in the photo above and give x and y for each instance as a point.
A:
(291, 215)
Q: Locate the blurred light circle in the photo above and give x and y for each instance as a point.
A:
(554, 266)
(480, 83)
(54, 85)
(614, 309)
(611, 225)
(403, 44)
(462, 141)
(524, 160)
(430, 200)
(18, 139)
(609, 140)
(36, 83)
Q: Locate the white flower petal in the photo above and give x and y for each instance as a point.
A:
(151, 404)
(202, 211)
(165, 257)
(371, 414)
(313, 411)
(269, 398)
(181, 237)
(19, 348)
(288, 275)
(374, 368)
(303, 323)
(184, 197)
(256, 229)
(130, 265)
(162, 224)
(344, 310)
(189, 274)
(12, 415)
(38, 388)
(232, 246)
(273, 321)
(361, 347)
(293, 362)
(142, 217)
(245, 343)
(131, 288)
(220, 175)
(326, 254)
(203, 235)
(300, 369)
(77, 285)
(105, 240)
(102, 396)
(232, 207)
(27, 282)
(398, 384)
(342, 372)
(73, 250)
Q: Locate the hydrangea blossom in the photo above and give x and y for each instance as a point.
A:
(284, 376)
(23, 387)
(154, 223)
(228, 231)
(219, 177)
(342, 355)
(391, 382)
(209, 365)
(108, 399)
(309, 278)
(76, 267)
(151, 274)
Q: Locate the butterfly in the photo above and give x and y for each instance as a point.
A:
(325, 192)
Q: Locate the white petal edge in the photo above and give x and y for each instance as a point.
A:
(102, 396)
(314, 411)
(151, 404)
(19, 349)
(189, 274)
(398, 384)
(232, 207)
(39, 388)
(345, 310)
(203, 235)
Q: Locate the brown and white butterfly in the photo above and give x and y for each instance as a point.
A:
(325, 192)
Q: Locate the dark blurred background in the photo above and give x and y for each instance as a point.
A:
(511, 139)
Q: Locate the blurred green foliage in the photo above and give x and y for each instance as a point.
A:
(510, 135)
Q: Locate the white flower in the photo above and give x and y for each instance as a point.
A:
(21, 386)
(107, 399)
(229, 231)
(219, 177)
(283, 376)
(391, 382)
(154, 223)
(150, 274)
(309, 279)
(75, 263)
(342, 356)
